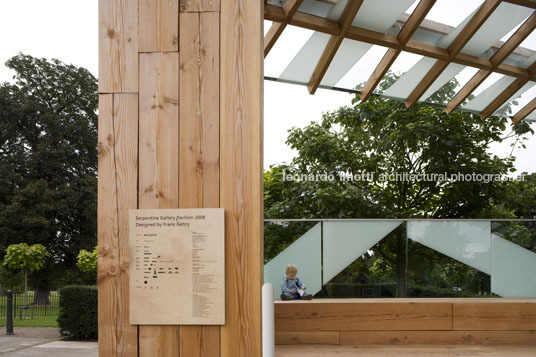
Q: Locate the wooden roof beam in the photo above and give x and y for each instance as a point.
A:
(289, 9)
(524, 112)
(390, 56)
(454, 48)
(508, 47)
(333, 45)
(275, 13)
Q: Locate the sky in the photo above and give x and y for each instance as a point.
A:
(68, 30)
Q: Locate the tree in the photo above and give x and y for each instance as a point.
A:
(87, 261)
(48, 157)
(27, 258)
(381, 137)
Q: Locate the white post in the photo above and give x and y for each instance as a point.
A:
(268, 343)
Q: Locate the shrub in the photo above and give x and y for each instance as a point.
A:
(78, 312)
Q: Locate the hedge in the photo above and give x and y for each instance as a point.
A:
(78, 312)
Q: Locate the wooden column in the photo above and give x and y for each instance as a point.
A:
(180, 125)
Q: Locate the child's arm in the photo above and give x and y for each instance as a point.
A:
(284, 287)
(301, 285)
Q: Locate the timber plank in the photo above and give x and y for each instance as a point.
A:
(158, 167)
(126, 164)
(363, 316)
(490, 316)
(306, 337)
(241, 173)
(199, 141)
(199, 5)
(118, 46)
(108, 240)
(437, 337)
(158, 25)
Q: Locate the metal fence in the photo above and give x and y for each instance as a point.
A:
(49, 307)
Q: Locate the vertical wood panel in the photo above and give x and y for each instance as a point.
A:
(158, 25)
(241, 173)
(126, 165)
(108, 265)
(158, 152)
(199, 141)
(118, 46)
(199, 5)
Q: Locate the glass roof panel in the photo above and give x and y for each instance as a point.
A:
(485, 97)
(409, 80)
(346, 57)
(362, 70)
(281, 54)
(519, 97)
(452, 70)
(452, 12)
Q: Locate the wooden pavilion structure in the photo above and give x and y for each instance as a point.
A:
(180, 126)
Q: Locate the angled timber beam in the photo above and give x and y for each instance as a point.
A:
(454, 48)
(508, 47)
(314, 23)
(506, 94)
(526, 110)
(390, 56)
(526, 3)
(289, 9)
(333, 45)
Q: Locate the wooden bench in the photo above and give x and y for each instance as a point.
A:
(406, 321)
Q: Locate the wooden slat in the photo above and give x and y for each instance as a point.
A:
(524, 112)
(322, 66)
(526, 3)
(199, 5)
(158, 167)
(158, 25)
(318, 316)
(118, 46)
(306, 337)
(289, 8)
(454, 48)
(108, 239)
(508, 47)
(437, 337)
(478, 19)
(390, 56)
(126, 165)
(199, 141)
(241, 174)
(489, 316)
(503, 97)
(319, 24)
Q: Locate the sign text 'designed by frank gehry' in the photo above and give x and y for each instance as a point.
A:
(177, 267)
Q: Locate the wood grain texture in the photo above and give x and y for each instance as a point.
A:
(437, 337)
(199, 173)
(524, 112)
(126, 165)
(306, 337)
(489, 316)
(289, 8)
(159, 130)
(158, 25)
(108, 239)
(118, 46)
(241, 173)
(199, 5)
(158, 168)
(363, 316)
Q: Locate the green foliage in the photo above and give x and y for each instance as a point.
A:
(48, 157)
(78, 312)
(11, 280)
(87, 261)
(25, 257)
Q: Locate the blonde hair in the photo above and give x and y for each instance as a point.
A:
(291, 269)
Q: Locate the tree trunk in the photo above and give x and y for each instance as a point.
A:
(25, 291)
(41, 297)
(401, 284)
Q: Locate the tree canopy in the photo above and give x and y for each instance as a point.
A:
(48, 157)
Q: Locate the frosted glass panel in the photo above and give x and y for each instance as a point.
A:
(305, 253)
(344, 242)
(467, 242)
(483, 99)
(513, 269)
(405, 84)
(302, 66)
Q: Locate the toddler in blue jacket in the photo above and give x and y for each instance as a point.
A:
(292, 287)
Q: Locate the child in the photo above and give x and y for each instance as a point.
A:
(292, 287)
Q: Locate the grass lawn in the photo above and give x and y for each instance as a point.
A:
(42, 321)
